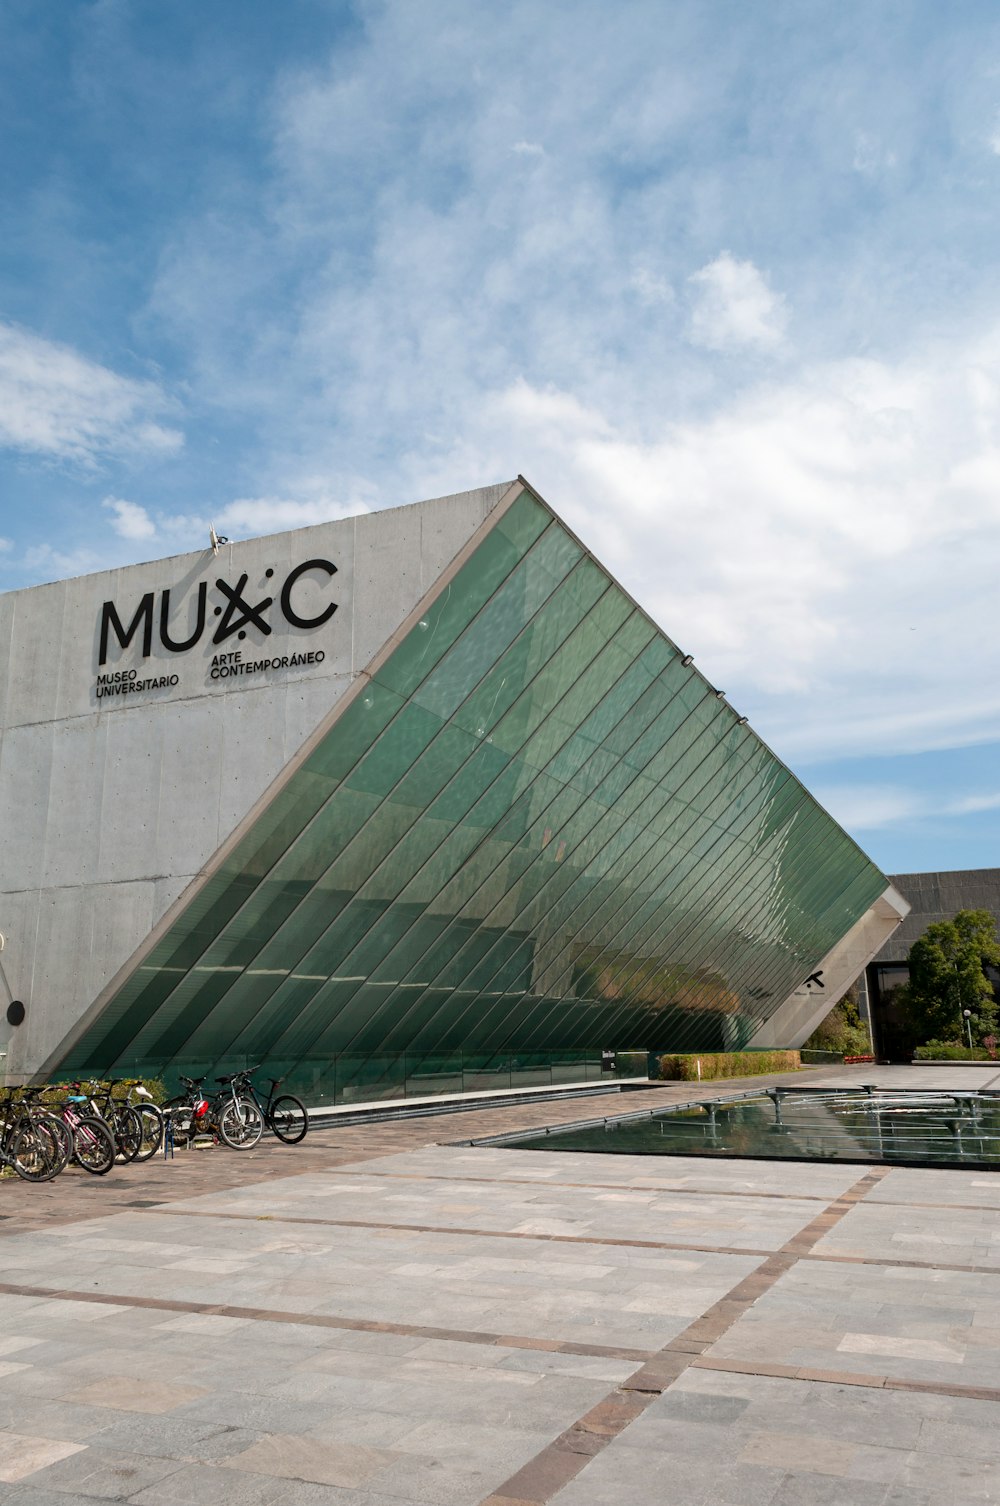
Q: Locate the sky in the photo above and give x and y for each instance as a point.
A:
(719, 280)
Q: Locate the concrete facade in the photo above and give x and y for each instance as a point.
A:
(111, 805)
(812, 1001)
(939, 896)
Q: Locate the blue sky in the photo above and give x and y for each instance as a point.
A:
(721, 280)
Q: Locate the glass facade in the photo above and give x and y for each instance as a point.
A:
(532, 834)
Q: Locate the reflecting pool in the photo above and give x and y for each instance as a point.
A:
(912, 1128)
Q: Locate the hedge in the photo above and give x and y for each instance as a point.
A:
(727, 1064)
(949, 1051)
(96, 1087)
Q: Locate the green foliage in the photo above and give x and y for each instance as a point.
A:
(727, 1064)
(947, 976)
(950, 1051)
(842, 1030)
(153, 1085)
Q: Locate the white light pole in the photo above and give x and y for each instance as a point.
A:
(967, 1017)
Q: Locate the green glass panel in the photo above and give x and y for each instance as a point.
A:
(530, 834)
(407, 839)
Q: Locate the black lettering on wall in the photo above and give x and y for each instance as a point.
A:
(237, 603)
(286, 595)
(110, 619)
(165, 638)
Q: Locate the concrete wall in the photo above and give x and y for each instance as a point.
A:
(797, 1018)
(111, 805)
(939, 896)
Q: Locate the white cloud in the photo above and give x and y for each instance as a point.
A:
(734, 307)
(256, 515)
(651, 287)
(860, 807)
(43, 562)
(249, 517)
(827, 546)
(130, 520)
(54, 402)
(870, 807)
(409, 303)
(971, 805)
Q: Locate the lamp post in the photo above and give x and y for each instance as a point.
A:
(967, 1017)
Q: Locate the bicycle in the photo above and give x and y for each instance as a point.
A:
(30, 1147)
(238, 1121)
(283, 1113)
(93, 1143)
(51, 1123)
(137, 1127)
(150, 1115)
(241, 1122)
(123, 1121)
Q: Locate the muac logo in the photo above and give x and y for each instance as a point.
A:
(234, 617)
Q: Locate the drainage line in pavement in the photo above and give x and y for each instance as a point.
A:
(169, 1211)
(553, 1468)
(327, 1320)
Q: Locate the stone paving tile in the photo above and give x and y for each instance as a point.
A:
(628, 1174)
(214, 1485)
(128, 1394)
(953, 1236)
(101, 1473)
(430, 1279)
(301, 1457)
(878, 1325)
(916, 1185)
(725, 1440)
(24, 1454)
(544, 1209)
(301, 1414)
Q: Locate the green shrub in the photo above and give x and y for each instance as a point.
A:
(715, 1065)
(950, 1051)
(96, 1086)
(842, 1030)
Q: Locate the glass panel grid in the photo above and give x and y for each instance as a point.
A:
(532, 835)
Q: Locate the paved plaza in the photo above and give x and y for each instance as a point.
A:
(387, 1317)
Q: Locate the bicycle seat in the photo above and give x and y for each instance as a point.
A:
(231, 1078)
(193, 1082)
(274, 1081)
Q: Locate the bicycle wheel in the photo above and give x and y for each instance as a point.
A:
(288, 1119)
(126, 1127)
(241, 1123)
(33, 1153)
(151, 1122)
(59, 1130)
(93, 1146)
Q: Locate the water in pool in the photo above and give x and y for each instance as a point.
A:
(914, 1128)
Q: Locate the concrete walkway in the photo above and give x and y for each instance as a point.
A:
(382, 1317)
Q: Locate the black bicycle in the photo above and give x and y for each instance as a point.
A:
(29, 1143)
(283, 1113)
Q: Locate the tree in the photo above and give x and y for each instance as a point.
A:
(948, 975)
